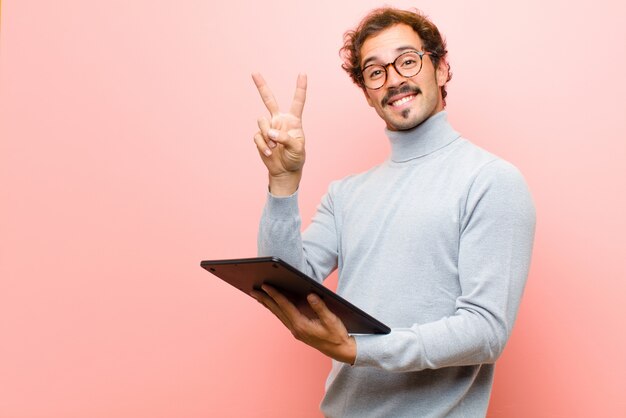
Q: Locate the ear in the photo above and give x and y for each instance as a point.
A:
(442, 73)
(368, 98)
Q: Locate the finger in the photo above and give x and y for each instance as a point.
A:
(277, 122)
(285, 305)
(271, 305)
(266, 94)
(299, 97)
(262, 145)
(319, 307)
(264, 126)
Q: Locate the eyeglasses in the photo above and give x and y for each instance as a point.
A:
(408, 64)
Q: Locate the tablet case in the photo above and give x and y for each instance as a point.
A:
(250, 273)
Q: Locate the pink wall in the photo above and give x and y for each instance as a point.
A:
(126, 157)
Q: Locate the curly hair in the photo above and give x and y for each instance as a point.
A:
(380, 19)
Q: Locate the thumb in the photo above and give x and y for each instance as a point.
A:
(320, 308)
(281, 137)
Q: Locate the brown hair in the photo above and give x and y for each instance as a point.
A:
(380, 19)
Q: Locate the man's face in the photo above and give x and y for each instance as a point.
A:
(403, 103)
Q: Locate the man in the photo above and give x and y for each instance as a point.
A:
(435, 242)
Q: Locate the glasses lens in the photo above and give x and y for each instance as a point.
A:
(374, 76)
(408, 64)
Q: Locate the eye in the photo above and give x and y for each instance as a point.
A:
(374, 73)
(408, 62)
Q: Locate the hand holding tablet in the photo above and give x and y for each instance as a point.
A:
(248, 274)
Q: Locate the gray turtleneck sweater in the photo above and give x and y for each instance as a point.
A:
(435, 242)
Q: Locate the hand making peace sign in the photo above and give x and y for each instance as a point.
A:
(280, 140)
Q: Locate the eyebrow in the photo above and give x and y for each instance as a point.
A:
(399, 49)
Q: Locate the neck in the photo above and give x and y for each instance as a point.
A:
(427, 137)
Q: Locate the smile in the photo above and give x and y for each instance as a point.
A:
(402, 101)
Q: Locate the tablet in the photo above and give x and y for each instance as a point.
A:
(247, 274)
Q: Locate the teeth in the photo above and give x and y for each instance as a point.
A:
(402, 101)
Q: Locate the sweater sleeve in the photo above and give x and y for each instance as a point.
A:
(313, 252)
(497, 227)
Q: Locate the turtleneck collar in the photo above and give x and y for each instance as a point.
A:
(429, 136)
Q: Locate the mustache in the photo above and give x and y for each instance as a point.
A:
(400, 90)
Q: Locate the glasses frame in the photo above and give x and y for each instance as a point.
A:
(393, 63)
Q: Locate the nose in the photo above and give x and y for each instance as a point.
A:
(393, 77)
